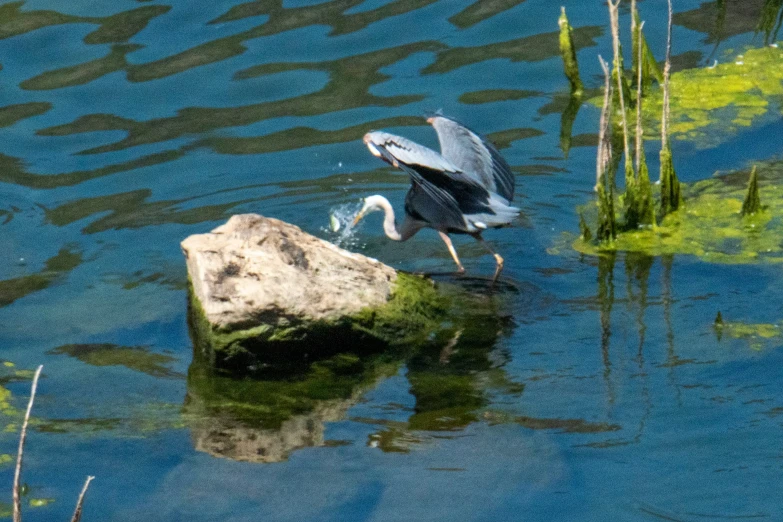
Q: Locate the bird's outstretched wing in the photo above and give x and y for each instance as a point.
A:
(474, 155)
(444, 194)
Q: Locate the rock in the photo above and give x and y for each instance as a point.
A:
(261, 288)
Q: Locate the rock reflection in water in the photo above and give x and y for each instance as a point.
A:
(266, 418)
(229, 438)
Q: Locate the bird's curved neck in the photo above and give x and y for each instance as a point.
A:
(389, 222)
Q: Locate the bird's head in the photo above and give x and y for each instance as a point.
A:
(371, 139)
(371, 204)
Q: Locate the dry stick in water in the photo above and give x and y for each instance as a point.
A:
(666, 74)
(639, 130)
(613, 20)
(17, 510)
(604, 149)
(77, 514)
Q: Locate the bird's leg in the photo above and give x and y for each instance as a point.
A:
(498, 258)
(446, 239)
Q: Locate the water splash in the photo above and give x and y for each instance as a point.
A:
(340, 230)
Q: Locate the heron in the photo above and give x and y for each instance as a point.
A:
(467, 188)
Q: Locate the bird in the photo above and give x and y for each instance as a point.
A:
(467, 188)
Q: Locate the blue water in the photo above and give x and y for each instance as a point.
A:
(592, 390)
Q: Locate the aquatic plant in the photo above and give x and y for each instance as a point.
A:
(712, 226)
(642, 212)
(17, 490)
(614, 134)
(576, 94)
(604, 180)
(568, 53)
(644, 66)
(752, 202)
(670, 185)
(723, 221)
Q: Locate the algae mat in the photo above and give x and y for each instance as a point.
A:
(710, 104)
(710, 225)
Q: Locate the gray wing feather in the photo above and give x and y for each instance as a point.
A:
(406, 155)
(409, 152)
(474, 156)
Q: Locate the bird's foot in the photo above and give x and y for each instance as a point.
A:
(498, 268)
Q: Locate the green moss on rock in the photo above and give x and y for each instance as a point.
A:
(414, 311)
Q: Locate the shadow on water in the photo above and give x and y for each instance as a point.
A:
(116, 28)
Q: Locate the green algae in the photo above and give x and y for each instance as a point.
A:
(758, 335)
(414, 311)
(711, 104)
(711, 225)
(39, 502)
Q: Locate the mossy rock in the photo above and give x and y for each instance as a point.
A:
(415, 311)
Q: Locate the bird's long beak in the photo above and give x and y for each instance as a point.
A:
(358, 218)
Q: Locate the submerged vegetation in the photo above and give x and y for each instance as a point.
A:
(757, 335)
(717, 219)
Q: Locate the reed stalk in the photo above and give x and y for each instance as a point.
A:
(752, 202)
(644, 202)
(670, 185)
(604, 186)
(568, 52)
(17, 496)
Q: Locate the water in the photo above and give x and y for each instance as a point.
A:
(341, 230)
(589, 389)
